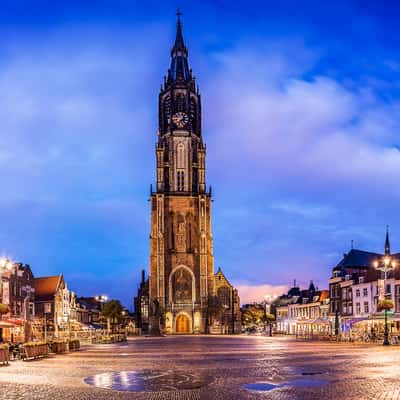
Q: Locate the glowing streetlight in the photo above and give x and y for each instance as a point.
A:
(268, 300)
(386, 264)
(5, 264)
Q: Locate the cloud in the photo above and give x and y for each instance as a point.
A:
(301, 129)
(256, 293)
(301, 162)
(310, 211)
(76, 150)
(313, 161)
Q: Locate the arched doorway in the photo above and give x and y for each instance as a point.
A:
(182, 324)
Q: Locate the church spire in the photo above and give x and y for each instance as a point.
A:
(179, 42)
(179, 70)
(387, 242)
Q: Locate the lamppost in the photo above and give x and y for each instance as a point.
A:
(386, 264)
(268, 300)
(102, 299)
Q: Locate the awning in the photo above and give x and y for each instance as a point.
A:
(317, 321)
(80, 325)
(14, 321)
(95, 326)
(5, 324)
(379, 317)
(353, 321)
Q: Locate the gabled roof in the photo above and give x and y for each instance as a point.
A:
(221, 275)
(324, 295)
(304, 297)
(46, 287)
(294, 291)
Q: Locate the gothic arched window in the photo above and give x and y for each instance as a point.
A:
(180, 102)
(193, 114)
(224, 296)
(167, 109)
(182, 284)
(180, 155)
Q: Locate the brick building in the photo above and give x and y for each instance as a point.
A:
(17, 293)
(356, 287)
(182, 281)
(53, 305)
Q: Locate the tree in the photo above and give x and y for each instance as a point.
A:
(113, 312)
(385, 305)
(4, 309)
(253, 316)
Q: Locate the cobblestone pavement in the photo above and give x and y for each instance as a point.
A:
(210, 367)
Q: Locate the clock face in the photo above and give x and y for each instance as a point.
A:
(180, 119)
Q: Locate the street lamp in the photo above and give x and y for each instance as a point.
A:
(386, 264)
(268, 300)
(102, 299)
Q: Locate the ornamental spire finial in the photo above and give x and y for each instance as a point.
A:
(179, 43)
(387, 242)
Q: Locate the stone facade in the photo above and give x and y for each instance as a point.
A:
(182, 282)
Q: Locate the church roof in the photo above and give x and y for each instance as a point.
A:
(221, 274)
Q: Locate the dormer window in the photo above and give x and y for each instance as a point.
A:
(361, 279)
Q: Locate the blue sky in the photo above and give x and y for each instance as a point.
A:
(301, 120)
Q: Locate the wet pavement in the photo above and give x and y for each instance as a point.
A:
(209, 367)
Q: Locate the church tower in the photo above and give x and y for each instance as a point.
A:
(181, 249)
